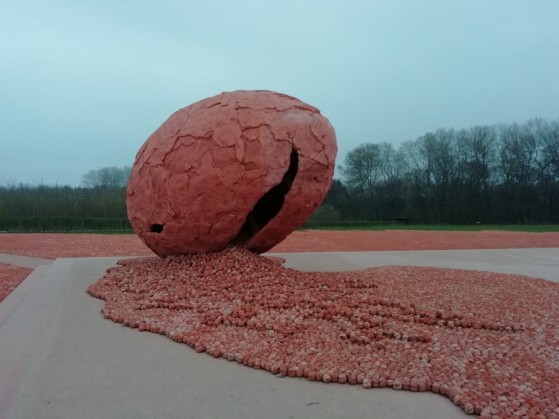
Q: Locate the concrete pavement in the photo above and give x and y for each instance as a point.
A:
(23, 261)
(61, 359)
(538, 263)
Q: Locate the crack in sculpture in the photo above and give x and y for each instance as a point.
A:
(269, 205)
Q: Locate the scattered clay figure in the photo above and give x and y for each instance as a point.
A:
(489, 342)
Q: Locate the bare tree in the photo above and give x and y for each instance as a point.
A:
(107, 177)
(518, 150)
(438, 152)
(362, 168)
(476, 148)
(548, 137)
(517, 164)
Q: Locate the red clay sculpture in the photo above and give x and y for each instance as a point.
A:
(243, 168)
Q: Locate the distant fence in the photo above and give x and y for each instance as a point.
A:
(63, 225)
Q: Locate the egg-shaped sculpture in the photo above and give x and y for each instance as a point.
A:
(241, 168)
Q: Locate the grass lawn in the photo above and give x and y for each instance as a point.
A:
(530, 228)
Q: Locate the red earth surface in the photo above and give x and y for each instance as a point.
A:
(10, 277)
(59, 245)
(52, 246)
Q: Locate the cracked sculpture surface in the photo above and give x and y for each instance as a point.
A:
(241, 168)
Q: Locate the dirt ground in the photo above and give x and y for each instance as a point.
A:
(52, 246)
(10, 277)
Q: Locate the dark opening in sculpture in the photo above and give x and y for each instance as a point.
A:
(269, 205)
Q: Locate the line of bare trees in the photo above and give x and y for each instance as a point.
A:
(65, 208)
(488, 174)
(62, 201)
(505, 174)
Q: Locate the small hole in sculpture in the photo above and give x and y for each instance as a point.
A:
(156, 228)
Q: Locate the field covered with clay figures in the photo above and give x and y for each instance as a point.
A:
(52, 246)
(487, 341)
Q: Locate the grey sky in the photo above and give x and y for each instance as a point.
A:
(84, 83)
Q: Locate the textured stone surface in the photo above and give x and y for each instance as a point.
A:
(244, 168)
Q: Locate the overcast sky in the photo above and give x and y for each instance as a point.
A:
(84, 83)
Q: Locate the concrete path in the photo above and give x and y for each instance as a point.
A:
(538, 263)
(23, 261)
(61, 359)
(39, 266)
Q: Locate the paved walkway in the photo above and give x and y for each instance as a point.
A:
(60, 358)
(23, 261)
(538, 263)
